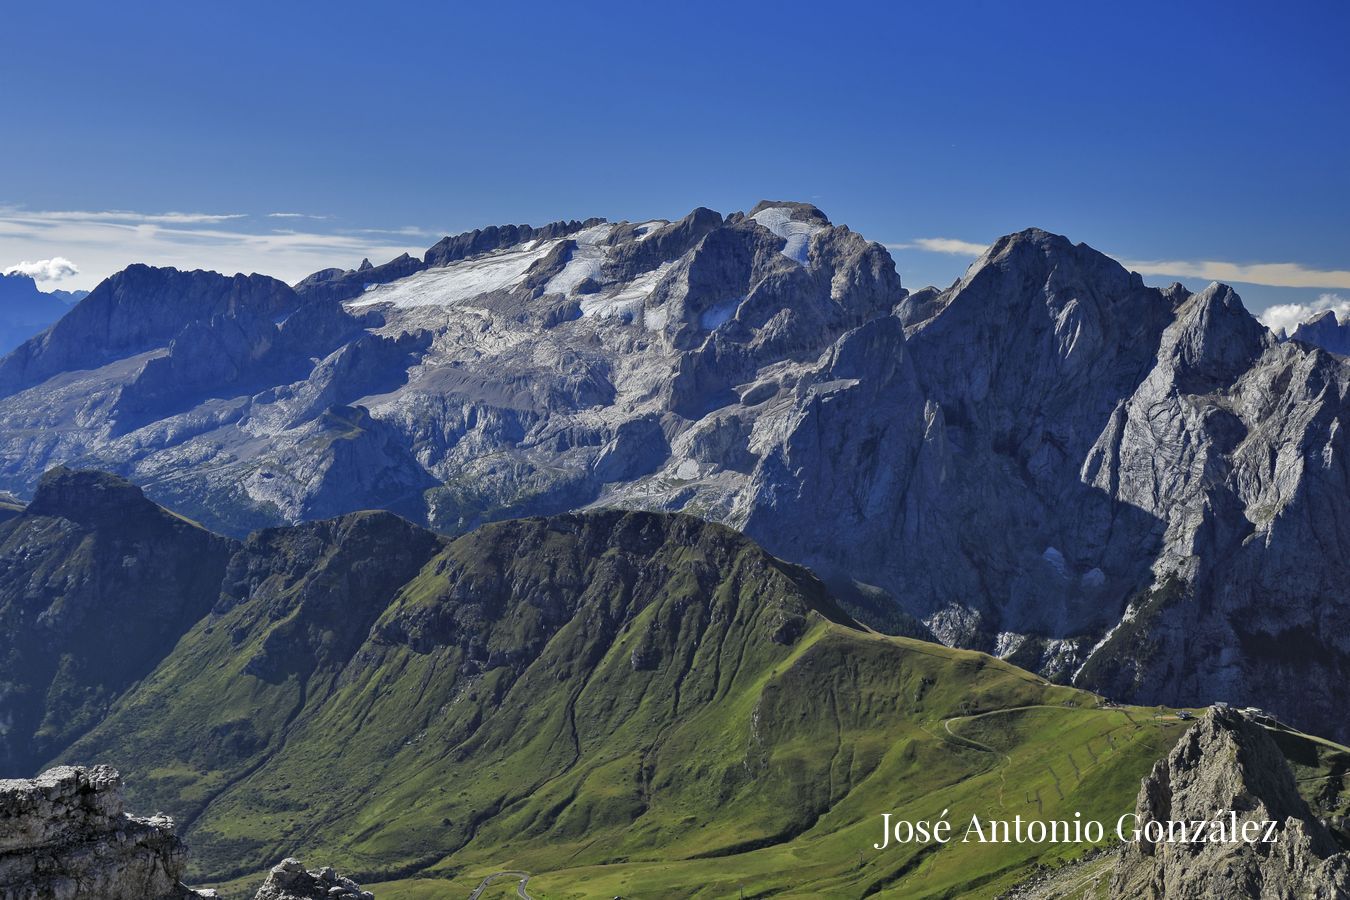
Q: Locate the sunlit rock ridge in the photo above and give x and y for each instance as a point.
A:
(1138, 489)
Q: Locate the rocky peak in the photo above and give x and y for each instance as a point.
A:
(662, 244)
(1213, 340)
(16, 286)
(97, 584)
(1039, 327)
(25, 310)
(65, 835)
(1227, 762)
(89, 498)
(1057, 262)
(796, 211)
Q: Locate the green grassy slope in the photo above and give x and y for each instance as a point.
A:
(97, 583)
(616, 702)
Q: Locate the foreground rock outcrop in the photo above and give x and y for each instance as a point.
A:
(1227, 762)
(64, 836)
(289, 880)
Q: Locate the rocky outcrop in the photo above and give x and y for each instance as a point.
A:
(288, 880)
(65, 836)
(1228, 763)
(336, 285)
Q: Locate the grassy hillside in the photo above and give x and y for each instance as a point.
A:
(617, 703)
(97, 583)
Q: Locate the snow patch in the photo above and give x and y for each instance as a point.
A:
(778, 219)
(460, 281)
(627, 301)
(586, 262)
(1056, 561)
(711, 319)
(655, 318)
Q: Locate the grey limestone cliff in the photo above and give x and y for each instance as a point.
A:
(1227, 762)
(289, 880)
(65, 836)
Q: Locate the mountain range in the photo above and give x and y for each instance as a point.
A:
(1131, 489)
(609, 700)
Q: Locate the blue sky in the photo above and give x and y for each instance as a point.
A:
(1191, 139)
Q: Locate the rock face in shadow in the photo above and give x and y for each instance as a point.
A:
(65, 836)
(136, 310)
(97, 584)
(25, 310)
(1228, 762)
(1325, 330)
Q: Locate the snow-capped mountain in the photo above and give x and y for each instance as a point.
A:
(1139, 489)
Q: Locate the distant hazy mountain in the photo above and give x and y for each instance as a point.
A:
(1325, 330)
(1130, 488)
(25, 310)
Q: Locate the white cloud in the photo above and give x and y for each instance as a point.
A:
(950, 246)
(119, 215)
(1272, 274)
(1287, 316)
(53, 269)
(107, 241)
(293, 215)
(406, 231)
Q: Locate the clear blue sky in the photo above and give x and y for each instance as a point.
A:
(1188, 132)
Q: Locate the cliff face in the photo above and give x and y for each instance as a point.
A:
(65, 836)
(1229, 762)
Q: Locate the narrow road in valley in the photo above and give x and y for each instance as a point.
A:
(497, 876)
